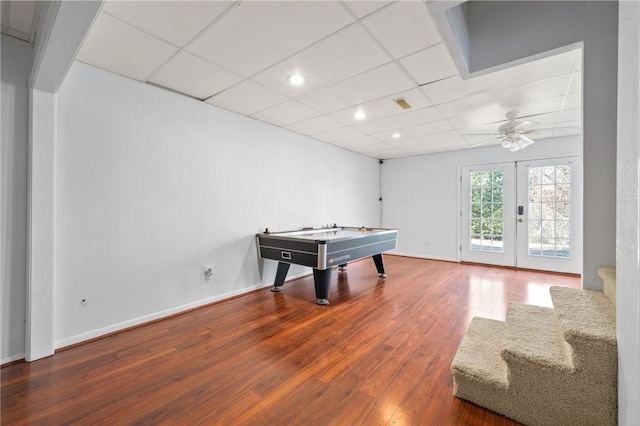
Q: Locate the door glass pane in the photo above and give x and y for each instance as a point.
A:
(486, 219)
(549, 211)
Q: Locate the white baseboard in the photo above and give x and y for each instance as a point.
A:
(12, 358)
(79, 338)
(420, 256)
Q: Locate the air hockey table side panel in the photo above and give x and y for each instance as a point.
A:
(310, 248)
(348, 251)
(290, 251)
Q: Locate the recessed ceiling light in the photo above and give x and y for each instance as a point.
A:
(396, 135)
(359, 115)
(296, 79)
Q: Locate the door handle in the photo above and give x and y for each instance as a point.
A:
(520, 219)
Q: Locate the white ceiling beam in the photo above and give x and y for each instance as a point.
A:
(450, 18)
(61, 29)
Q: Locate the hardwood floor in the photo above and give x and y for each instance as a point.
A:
(379, 354)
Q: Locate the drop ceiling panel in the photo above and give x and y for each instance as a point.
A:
(532, 110)
(383, 107)
(122, 49)
(377, 148)
(257, 34)
(431, 64)
(540, 69)
(352, 48)
(545, 111)
(403, 27)
(475, 141)
(354, 143)
(570, 128)
(159, 17)
(286, 113)
(575, 123)
(482, 129)
(386, 154)
(554, 120)
(186, 73)
(575, 84)
(406, 119)
(247, 98)
(435, 148)
(573, 100)
(535, 91)
(362, 8)
(473, 120)
(556, 133)
(340, 134)
(573, 114)
(451, 89)
(359, 89)
(315, 125)
(433, 130)
(498, 115)
(456, 88)
(426, 139)
(506, 98)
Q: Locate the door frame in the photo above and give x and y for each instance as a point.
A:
(573, 264)
(507, 256)
(576, 228)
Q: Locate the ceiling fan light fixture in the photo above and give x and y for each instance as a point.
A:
(514, 133)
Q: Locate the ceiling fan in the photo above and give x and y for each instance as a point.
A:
(515, 134)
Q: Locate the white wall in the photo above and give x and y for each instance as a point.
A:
(628, 216)
(153, 187)
(421, 195)
(16, 66)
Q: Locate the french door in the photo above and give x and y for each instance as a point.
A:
(488, 219)
(525, 214)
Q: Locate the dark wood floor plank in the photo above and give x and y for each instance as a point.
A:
(379, 354)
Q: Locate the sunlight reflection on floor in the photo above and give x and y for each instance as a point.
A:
(490, 294)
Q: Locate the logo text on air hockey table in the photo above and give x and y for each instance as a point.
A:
(340, 258)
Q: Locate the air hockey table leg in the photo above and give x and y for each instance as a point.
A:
(377, 258)
(281, 274)
(322, 281)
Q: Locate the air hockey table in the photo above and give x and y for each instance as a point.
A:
(322, 249)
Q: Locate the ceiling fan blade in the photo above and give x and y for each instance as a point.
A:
(555, 132)
(527, 139)
(523, 117)
(481, 134)
(526, 125)
(509, 127)
(537, 114)
(561, 129)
